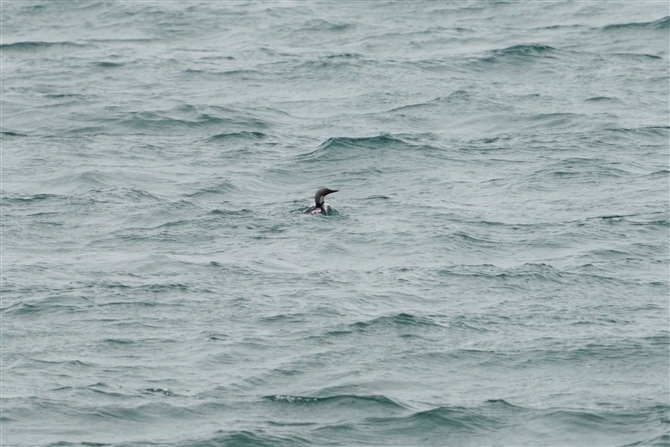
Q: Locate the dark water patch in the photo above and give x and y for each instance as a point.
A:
(612, 219)
(603, 99)
(89, 444)
(376, 198)
(65, 95)
(216, 336)
(124, 40)
(106, 64)
(291, 424)
(8, 133)
(136, 303)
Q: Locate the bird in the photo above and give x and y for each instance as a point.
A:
(319, 204)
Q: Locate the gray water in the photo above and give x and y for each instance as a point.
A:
(493, 271)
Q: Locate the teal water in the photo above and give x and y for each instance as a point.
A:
(494, 269)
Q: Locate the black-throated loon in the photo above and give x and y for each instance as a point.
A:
(319, 204)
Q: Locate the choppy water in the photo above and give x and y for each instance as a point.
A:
(494, 270)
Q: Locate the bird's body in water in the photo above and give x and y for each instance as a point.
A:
(319, 202)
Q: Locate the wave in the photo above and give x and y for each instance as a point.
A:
(521, 53)
(9, 133)
(243, 135)
(323, 25)
(242, 73)
(37, 45)
(185, 118)
(661, 131)
(51, 305)
(244, 438)
(488, 421)
(531, 275)
(573, 170)
(602, 99)
(29, 198)
(340, 61)
(544, 272)
(662, 440)
(344, 148)
(221, 187)
(657, 25)
(460, 97)
(663, 173)
(556, 353)
(399, 320)
(106, 64)
(442, 418)
(350, 400)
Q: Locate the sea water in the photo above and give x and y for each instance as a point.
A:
(493, 271)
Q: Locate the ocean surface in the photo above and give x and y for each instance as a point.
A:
(494, 269)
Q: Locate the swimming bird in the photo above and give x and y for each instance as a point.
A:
(319, 204)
